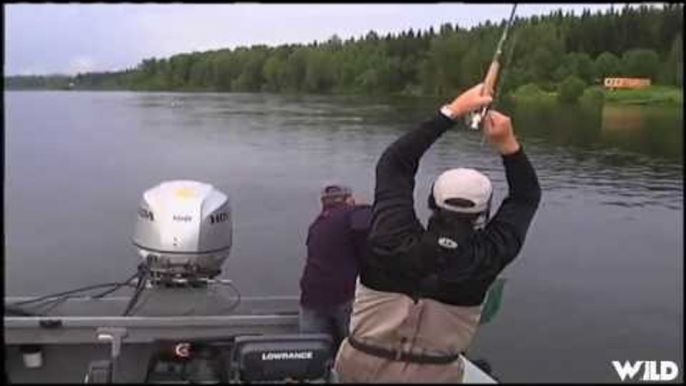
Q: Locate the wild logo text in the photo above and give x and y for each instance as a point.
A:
(628, 370)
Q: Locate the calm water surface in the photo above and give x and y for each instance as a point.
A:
(600, 277)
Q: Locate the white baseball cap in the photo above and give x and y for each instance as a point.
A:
(462, 190)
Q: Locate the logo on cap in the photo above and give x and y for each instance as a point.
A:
(447, 243)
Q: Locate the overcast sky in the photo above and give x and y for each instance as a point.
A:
(70, 38)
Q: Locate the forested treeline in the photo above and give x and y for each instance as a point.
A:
(644, 41)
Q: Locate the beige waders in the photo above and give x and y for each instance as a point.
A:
(399, 340)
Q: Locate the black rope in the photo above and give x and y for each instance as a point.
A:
(14, 308)
(238, 297)
(122, 284)
(65, 293)
(142, 274)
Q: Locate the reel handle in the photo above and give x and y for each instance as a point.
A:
(475, 119)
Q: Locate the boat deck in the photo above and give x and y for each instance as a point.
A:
(68, 336)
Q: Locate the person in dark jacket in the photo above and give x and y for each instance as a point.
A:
(335, 242)
(420, 292)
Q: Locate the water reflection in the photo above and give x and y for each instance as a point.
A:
(634, 153)
(653, 131)
(623, 118)
(656, 131)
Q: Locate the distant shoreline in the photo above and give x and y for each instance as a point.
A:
(650, 96)
(654, 95)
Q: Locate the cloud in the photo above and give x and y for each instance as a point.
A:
(81, 64)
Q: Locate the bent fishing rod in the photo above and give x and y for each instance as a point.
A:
(491, 80)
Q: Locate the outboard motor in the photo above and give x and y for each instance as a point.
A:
(183, 231)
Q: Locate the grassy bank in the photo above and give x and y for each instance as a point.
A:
(654, 95)
(650, 96)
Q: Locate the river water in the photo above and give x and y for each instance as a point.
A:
(600, 277)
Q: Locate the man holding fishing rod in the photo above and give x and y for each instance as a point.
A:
(419, 296)
(421, 291)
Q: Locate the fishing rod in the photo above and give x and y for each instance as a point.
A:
(491, 80)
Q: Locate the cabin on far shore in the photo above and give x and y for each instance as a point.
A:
(615, 83)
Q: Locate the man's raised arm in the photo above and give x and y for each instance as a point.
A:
(505, 233)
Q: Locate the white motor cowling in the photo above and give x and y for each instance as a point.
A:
(184, 230)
